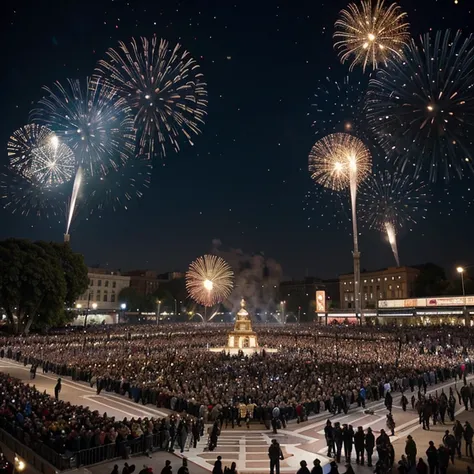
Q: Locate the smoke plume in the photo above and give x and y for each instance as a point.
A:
(257, 280)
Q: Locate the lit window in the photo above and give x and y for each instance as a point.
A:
(385, 278)
(378, 279)
(365, 281)
(372, 280)
(393, 278)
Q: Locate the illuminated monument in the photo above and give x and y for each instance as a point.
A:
(242, 337)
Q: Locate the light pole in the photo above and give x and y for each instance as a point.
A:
(122, 308)
(175, 308)
(355, 233)
(461, 271)
(283, 312)
(158, 311)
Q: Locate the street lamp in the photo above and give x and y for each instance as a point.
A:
(122, 307)
(461, 271)
(158, 311)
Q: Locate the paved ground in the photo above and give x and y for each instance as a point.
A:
(248, 448)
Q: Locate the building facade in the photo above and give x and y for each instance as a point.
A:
(388, 283)
(103, 292)
(144, 282)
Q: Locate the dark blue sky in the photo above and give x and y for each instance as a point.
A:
(245, 179)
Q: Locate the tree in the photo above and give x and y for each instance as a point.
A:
(75, 271)
(32, 284)
(431, 280)
(136, 301)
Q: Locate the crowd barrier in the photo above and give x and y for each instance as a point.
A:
(48, 461)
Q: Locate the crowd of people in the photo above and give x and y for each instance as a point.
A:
(316, 370)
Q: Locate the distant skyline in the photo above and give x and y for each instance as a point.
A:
(245, 179)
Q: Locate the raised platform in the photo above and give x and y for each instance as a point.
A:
(245, 350)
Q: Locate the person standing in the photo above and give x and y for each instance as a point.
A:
(391, 424)
(329, 435)
(184, 468)
(458, 434)
(167, 469)
(317, 468)
(303, 468)
(410, 451)
(369, 445)
(450, 442)
(432, 456)
(404, 402)
(338, 440)
(388, 401)
(57, 389)
(348, 440)
(276, 455)
(217, 469)
(359, 440)
(468, 434)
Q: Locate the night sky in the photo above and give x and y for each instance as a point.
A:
(245, 180)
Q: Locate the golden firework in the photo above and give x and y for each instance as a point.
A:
(209, 280)
(370, 33)
(336, 159)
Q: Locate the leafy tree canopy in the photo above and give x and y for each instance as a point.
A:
(38, 280)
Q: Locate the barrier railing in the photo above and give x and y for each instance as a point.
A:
(46, 460)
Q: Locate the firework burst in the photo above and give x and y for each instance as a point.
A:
(163, 87)
(209, 280)
(91, 120)
(422, 110)
(390, 202)
(370, 33)
(52, 164)
(394, 198)
(23, 142)
(337, 158)
(20, 196)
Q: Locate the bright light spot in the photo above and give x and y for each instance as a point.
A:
(371, 37)
(366, 45)
(430, 108)
(348, 126)
(147, 96)
(54, 141)
(460, 270)
(208, 285)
